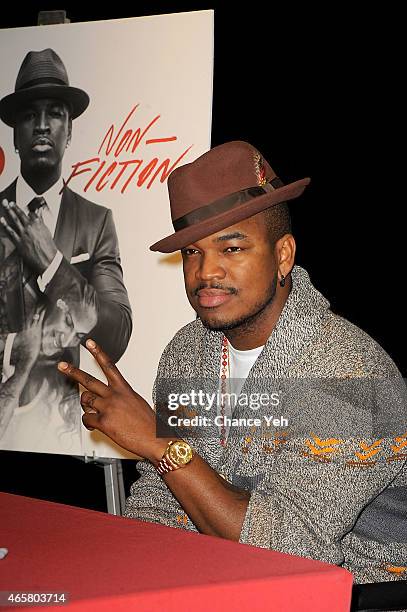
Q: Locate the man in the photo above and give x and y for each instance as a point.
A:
(329, 485)
(60, 251)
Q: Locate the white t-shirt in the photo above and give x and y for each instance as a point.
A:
(240, 364)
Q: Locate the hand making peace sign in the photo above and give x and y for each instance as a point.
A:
(116, 409)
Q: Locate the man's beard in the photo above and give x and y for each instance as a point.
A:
(248, 321)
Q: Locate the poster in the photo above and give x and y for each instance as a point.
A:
(99, 150)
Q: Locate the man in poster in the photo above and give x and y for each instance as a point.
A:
(58, 252)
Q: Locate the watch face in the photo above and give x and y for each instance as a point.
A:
(180, 453)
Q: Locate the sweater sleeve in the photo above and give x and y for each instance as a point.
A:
(150, 499)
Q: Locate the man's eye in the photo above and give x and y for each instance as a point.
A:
(189, 252)
(233, 249)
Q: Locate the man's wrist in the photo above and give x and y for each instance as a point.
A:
(158, 449)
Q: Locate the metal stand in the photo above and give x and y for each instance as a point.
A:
(114, 484)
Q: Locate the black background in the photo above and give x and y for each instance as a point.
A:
(316, 90)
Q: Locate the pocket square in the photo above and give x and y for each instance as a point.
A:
(78, 258)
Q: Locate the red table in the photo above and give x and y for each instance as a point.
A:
(110, 563)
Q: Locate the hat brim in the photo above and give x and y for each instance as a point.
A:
(75, 97)
(185, 236)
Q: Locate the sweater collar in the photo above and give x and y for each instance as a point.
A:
(300, 319)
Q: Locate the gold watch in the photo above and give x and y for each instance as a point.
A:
(177, 454)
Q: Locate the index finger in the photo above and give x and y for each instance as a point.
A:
(110, 370)
(87, 381)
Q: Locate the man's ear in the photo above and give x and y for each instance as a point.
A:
(69, 131)
(285, 253)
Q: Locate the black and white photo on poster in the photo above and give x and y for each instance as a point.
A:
(83, 194)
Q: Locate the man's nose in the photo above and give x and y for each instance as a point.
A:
(210, 268)
(41, 122)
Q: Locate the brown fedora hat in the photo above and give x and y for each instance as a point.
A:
(42, 75)
(227, 184)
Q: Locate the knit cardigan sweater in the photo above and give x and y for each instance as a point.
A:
(331, 485)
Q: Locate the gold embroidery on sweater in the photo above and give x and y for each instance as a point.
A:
(395, 569)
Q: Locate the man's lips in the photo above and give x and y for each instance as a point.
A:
(42, 144)
(209, 298)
